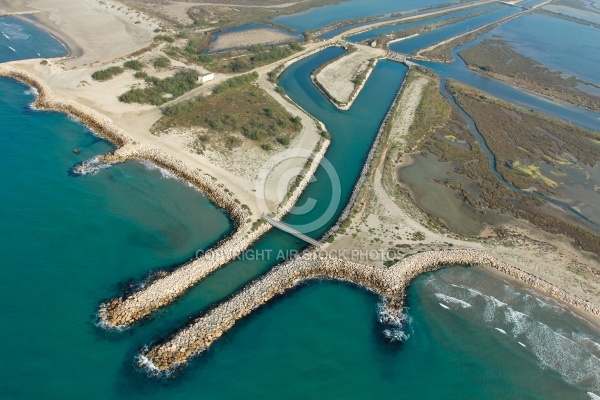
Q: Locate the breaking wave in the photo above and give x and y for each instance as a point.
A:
(31, 92)
(13, 31)
(164, 172)
(453, 300)
(89, 167)
(149, 368)
(398, 323)
(533, 323)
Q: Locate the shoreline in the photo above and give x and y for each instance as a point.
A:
(120, 312)
(241, 236)
(389, 283)
(40, 20)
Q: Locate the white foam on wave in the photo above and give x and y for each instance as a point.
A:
(13, 31)
(444, 306)
(12, 49)
(559, 352)
(149, 367)
(100, 323)
(398, 322)
(520, 321)
(586, 340)
(543, 304)
(164, 172)
(31, 92)
(454, 300)
(87, 128)
(396, 335)
(575, 356)
(593, 396)
(90, 166)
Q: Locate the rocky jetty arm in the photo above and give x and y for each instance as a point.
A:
(390, 283)
(122, 311)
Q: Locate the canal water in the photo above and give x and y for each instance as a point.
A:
(69, 242)
(319, 17)
(384, 30)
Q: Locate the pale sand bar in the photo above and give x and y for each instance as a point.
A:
(247, 38)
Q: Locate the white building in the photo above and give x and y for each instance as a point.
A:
(206, 77)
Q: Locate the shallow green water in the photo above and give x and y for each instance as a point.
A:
(68, 242)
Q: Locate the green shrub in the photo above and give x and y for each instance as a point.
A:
(106, 74)
(232, 142)
(133, 64)
(236, 81)
(164, 38)
(140, 75)
(176, 85)
(161, 62)
(238, 65)
(284, 140)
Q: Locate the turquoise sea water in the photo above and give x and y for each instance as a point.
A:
(20, 40)
(69, 242)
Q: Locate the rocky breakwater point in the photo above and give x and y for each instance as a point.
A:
(125, 310)
(390, 283)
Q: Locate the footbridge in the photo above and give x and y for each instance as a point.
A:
(288, 229)
(394, 56)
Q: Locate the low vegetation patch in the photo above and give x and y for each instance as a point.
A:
(135, 65)
(248, 59)
(519, 139)
(106, 74)
(236, 109)
(161, 62)
(159, 91)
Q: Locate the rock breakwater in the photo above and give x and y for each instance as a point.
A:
(122, 311)
(390, 283)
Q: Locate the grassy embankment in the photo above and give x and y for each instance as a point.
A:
(236, 113)
(226, 14)
(192, 51)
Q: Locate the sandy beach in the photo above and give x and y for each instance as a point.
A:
(94, 31)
